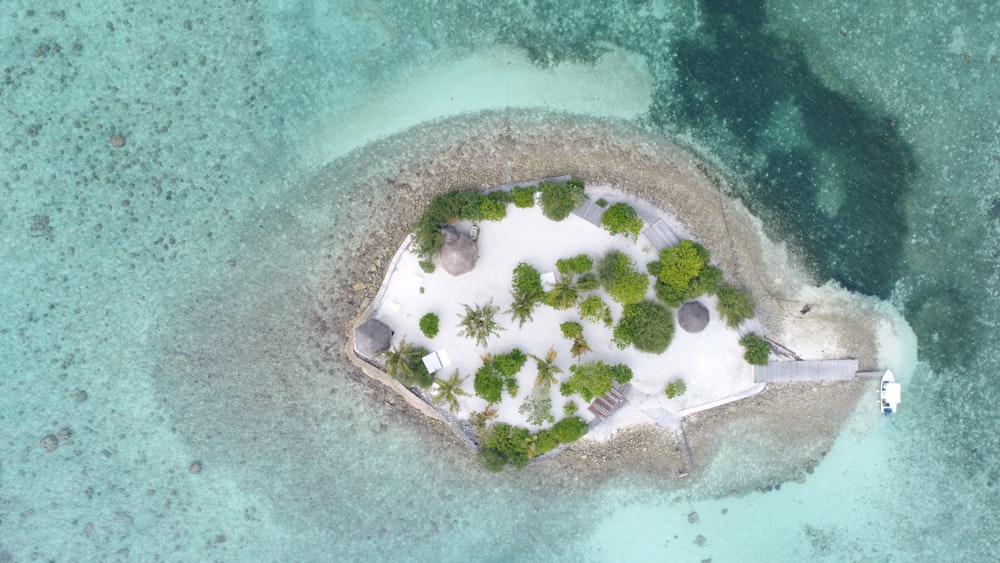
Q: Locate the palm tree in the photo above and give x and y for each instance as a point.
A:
(546, 369)
(399, 360)
(523, 306)
(449, 390)
(579, 346)
(478, 323)
(563, 294)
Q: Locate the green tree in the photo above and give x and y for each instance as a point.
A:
(399, 359)
(510, 363)
(547, 369)
(488, 383)
(574, 332)
(594, 309)
(757, 350)
(621, 219)
(735, 305)
(429, 325)
(681, 263)
(579, 264)
(449, 390)
(647, 325)
(560, 199)
(478, 323)
(618, 276)
(594, 379)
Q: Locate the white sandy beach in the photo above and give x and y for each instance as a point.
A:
(710, 362)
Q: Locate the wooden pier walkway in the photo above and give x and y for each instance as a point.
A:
(590, 212)
(806, 370)
(602, 407)
(660, 235)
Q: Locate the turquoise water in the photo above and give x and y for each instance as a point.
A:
(153, 293)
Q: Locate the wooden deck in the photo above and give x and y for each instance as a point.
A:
(602, 407)
(660, 235)
(807, 370)
(590, 212)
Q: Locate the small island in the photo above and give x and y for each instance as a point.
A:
(532, 315)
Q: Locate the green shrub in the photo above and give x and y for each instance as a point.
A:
(427, 266)
(442, 209)
(429, 325)
(526, 280)
(510, 364)
(545, 442)
(620, 279)
(675, 388)
(570, 408)
(559, 200)
(571, 329)
(579, 264)
(602, 202)
(502, 445)
(538, 408)
(707, 283)
(735, 305)
(524, 197)
(668, 295)
(490, 209)
(757, 349)
(594, 309)
(488, 383)
(647, 325)
(569, 429)
(594, 379)
(654, 268)
(587, 282)
(621, 219)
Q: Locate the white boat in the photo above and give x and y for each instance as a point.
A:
(889, 393)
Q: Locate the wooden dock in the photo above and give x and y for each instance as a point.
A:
(660, 235)
(806, 370)
(602, 407)
(590, 212)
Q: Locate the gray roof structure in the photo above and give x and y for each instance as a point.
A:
(371, 337)
(459, 253)
(693, 317)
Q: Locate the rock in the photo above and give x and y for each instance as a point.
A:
(358, 287)
(700, 540)
(81, 395)
(693, 518)
(117, 141)
(49, 443)
(194, 468)
(64, 434)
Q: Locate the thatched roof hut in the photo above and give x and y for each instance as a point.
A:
(371, 337)
(459, 253)
(693, 317)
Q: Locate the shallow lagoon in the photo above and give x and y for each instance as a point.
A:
(161, 277)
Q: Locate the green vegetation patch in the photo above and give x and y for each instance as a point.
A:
(403, 362)
(594, 379)
(559, 199)
(621, 219)
(524, 197)
(569, 430)
(675, 388)
(502, 444)
(757, 350)
(579, 264)
(595, 310)
(735, 305)
(455, 206)
(429, 325)
(683, 273)
(618, 276)
(647, 325)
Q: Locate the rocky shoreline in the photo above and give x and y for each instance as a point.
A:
(493, 149)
